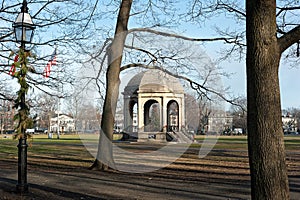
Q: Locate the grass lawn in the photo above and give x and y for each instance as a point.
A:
(42, 145)
(61, 165)
(67, 150)
(70, 150)
(240, 142)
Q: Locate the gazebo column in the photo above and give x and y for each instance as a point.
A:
(127, 117)
(164, 106)
(181, 112)
(140, 115)
(142, 137)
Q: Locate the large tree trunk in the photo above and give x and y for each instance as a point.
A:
(265, 140)
(104, 158)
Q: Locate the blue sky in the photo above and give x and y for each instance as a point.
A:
(289, 83)
(290, 86)
(289, 76)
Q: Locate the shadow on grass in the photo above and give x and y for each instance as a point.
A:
(163, 183)
(42, 192)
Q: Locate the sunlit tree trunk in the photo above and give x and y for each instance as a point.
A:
(104, 158)
(269, 178)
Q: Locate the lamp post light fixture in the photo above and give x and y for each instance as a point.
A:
(23, 29)
(23, 26)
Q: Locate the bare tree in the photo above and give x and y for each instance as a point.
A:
(267, 41)
(66, 25)
(239, 114)
(44, 106)
(271, 29)
(269, 178)
(113, 49)
(115, 52)
(295, 112)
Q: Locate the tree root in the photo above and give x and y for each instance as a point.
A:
(99, 166)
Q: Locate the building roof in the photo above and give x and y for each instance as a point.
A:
(54, 117)
(153, 80)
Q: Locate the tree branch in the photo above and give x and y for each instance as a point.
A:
(289, 39)
(227, 40)
(230, 9)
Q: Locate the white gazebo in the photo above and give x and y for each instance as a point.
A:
(153, 106)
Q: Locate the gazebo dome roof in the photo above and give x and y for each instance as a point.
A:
(154, 80)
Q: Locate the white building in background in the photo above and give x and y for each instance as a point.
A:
(289, 124)
(219, 121)
(119, 122)
(66, 123)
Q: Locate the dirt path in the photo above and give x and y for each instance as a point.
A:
(188, 178)
(79, 183)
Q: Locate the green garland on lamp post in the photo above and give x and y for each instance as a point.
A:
(22, 117)
(21, 68)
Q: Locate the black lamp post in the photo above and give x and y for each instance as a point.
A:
(23, 29)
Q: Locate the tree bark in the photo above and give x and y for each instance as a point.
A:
(269, 178)
(104, 158)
